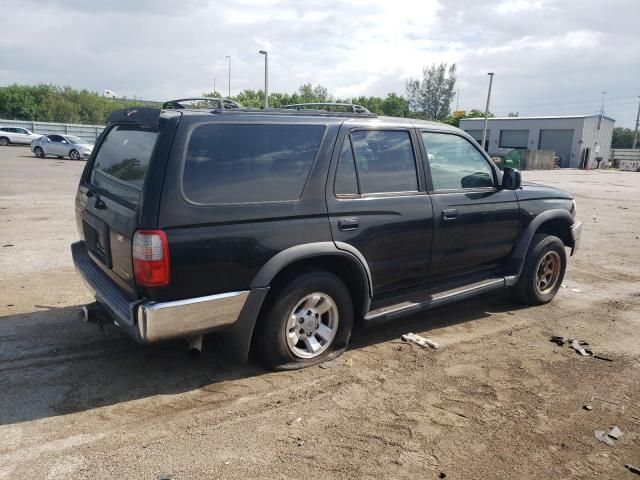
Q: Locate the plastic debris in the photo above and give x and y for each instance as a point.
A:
(587, 407)
(632, 469)
(615, 433)
(578, 346)
(600, 435)
(558, 340)
(292, 421)
(575, 290)
(418, 340)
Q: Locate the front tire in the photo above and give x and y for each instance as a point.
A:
(543, 270)
(4, 141)
(74, 155)
(308, 320)
(38, 152)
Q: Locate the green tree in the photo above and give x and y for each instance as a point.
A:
(431, 97)
(622, 138)
(455, 117)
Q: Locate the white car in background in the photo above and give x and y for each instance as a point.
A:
(61, 146)
(16, 135)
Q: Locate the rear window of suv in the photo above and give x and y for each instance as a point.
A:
(121, 163)
(249, 163)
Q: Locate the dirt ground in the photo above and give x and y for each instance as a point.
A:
(497, 401)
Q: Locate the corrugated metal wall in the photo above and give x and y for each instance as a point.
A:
(591, 136)
(86, 132)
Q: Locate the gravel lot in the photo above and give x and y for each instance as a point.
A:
(498, 401)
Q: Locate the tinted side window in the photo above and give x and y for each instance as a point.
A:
(385, 161)
(455, 163)
(346, 177)
(249, 163)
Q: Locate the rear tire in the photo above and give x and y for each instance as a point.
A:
(543, 270)
(38, 152)
(74, 155)
(307, 320)
(4, 141)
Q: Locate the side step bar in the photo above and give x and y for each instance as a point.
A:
(433, 298)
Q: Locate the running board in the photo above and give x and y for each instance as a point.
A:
(433, 298)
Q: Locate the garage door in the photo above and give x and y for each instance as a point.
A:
(514, 138)
(476, 134)
(560, 142)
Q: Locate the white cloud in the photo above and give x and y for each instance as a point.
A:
(549, 56)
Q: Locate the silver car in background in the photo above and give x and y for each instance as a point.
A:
(61, 146)
(16, 135)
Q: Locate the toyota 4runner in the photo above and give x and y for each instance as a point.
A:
(282, 228)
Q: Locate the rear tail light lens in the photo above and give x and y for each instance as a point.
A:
(151, 258)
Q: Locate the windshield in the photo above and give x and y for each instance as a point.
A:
(120, 165)
(72, 139)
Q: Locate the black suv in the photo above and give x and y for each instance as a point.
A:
(282, 228)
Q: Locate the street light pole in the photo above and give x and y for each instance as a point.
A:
(229, 57)
(266, 77)
(635, 135)
(486, 111)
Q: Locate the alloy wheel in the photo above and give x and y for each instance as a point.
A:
(312, 325)
(548, 272)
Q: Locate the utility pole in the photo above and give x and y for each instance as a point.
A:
(266, 77)
(635, 135)
(214, 85)
(229, 57)
(486, 112)
(601, 110)
(458, 100)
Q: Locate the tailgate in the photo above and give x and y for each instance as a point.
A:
(110, 195)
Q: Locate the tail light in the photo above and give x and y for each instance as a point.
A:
(151, 258)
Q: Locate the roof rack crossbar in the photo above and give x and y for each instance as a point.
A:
(221, 103)
(302, 106)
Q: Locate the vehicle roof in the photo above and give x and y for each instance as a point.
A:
(314, 116)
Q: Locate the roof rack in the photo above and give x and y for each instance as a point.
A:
(201, 103)
(318, 106)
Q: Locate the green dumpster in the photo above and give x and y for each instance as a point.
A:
(507, 157)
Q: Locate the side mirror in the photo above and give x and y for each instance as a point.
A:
(511, 179)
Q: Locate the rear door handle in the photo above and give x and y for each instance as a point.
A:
(449, 214)
(348, 223)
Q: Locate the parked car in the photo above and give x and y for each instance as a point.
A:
(282, 229)
(61, 146)
(16, 135)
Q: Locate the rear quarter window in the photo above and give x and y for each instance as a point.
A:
(249, 163)
(121, 163)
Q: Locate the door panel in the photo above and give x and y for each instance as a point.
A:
(473, 229)
(476, 222)
(392, 230)
(393, 234)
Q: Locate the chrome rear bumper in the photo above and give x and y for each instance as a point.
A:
(149, 321)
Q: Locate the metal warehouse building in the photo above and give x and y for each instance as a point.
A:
(578, 141)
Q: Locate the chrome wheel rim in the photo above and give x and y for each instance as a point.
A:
(312, 325)
(75, 155)
(39, 152)
(547, 273)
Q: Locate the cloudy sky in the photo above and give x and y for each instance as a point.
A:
(550, 57)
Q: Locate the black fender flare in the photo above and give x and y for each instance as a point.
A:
(237, 338)
(519, 253)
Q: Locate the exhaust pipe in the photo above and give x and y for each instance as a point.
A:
(195, 346)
